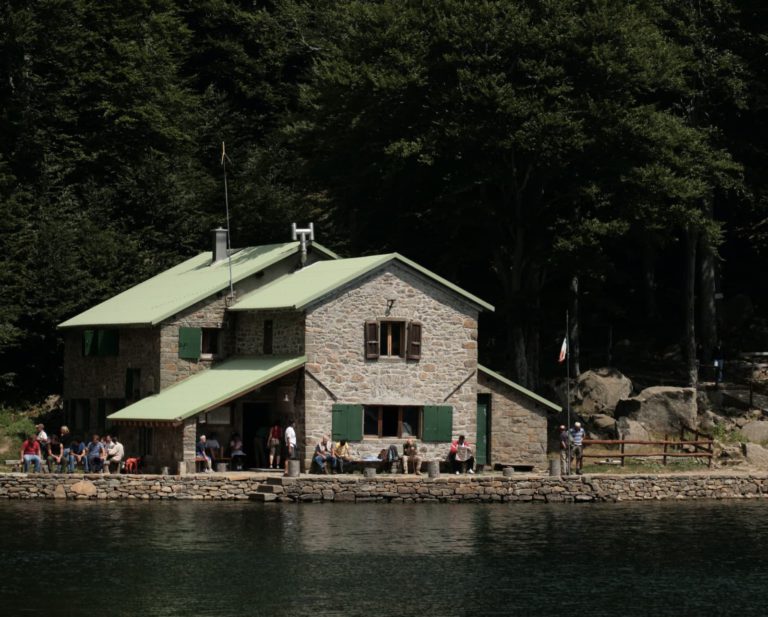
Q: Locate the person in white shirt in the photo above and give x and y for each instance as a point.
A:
(115, 453)
(290, 443)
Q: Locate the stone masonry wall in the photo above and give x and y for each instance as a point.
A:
(287, 332)
(518, 426)
(337, 371)
(94, 377)
(386, 488)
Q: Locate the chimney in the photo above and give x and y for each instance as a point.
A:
(219, 237)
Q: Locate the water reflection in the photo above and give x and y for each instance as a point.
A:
(246, 559)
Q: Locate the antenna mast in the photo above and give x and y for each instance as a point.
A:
(224, 159)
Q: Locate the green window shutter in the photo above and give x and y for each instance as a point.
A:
(107, 342)
(347, 422)
(89, 337)
(437, 423)
(190, 343)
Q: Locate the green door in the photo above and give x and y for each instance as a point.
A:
(481, 448)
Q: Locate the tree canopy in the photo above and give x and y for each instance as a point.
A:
(594, 155)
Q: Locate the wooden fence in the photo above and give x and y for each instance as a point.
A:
(668, 448)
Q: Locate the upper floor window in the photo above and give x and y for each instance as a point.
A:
(393, 339)
(101, 342)
(196, 343)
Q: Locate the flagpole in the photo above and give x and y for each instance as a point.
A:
(568, 385)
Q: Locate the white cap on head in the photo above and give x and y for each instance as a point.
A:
(578, 425)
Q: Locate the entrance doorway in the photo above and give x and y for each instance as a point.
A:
(256, 424)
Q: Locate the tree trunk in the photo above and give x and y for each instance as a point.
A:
(691, 242)
(707, 305)
(574, 351)
(649, 279)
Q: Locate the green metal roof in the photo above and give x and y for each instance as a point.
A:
(519, 388)
(303, 287)
(172, 291)
(209, 389)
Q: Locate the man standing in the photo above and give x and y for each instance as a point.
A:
(411, 453)
(290, 444)
(564, 458)
(577, 439)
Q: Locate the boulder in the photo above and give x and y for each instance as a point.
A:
(633, 431)
(600, 390)
(756, 431)
(756, 455)
(84, 487)
(603, 424)
(661, 409)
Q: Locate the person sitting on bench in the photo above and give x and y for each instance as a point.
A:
(30, 453)
(201, 455)
(97, 454)
(411, 454)
(323, 454)
(341, 453)
(461, 454)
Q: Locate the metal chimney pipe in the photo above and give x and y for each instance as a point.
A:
(219, 237)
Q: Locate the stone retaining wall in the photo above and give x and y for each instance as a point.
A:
(386, 488)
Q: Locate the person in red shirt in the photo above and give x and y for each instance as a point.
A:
(30, 453)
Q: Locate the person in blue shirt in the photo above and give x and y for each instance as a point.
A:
(202, 455)
(576, 436)
(96, 454)
(76, 454)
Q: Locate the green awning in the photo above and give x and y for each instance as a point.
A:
(303, 287)
(209, 389)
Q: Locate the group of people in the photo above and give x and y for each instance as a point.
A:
(333, 456)
(208, 449)
(65, 452)
(572, 448)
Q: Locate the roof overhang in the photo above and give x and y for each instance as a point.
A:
(515, 386)
(209, 389)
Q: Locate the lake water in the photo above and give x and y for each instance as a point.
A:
(243, 559)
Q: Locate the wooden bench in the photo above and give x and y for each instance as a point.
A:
(218, 457)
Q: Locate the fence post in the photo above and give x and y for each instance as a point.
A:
(622, 449)
(664, 458)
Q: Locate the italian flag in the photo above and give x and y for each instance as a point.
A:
(563, 350)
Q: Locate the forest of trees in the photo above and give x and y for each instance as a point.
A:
(605, 157)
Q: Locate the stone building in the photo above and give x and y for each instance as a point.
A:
(370, 349)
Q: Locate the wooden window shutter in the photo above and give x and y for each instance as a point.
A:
(347, 422)
(438, 423)
(371, 340)
(190, 343)
(414, 341)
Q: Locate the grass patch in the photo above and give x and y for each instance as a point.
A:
(638, 466)
(14, 427)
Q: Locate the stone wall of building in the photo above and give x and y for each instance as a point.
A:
(287, 333)
(518, 433)
(387, 488)
(338, 372)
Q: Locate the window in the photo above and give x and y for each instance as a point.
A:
(390, 421)
(133, 383)
(268, 328)
(146, 441)
(101, 342)
(209, 344)
(393, 339)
